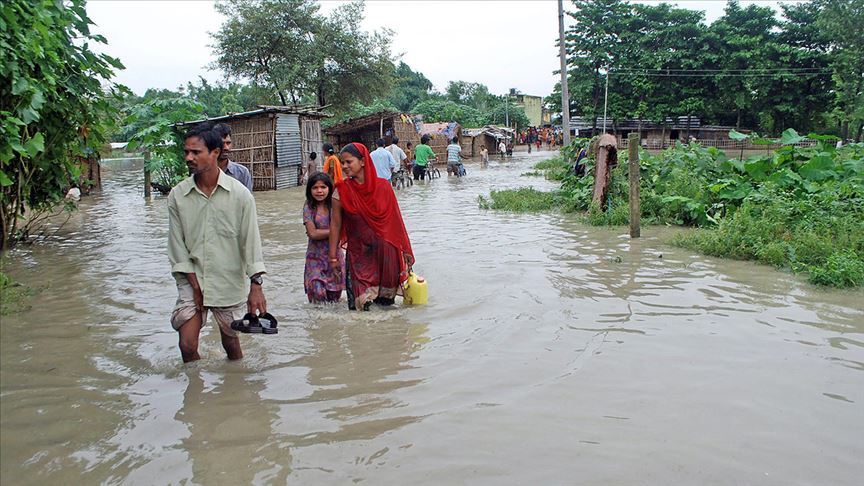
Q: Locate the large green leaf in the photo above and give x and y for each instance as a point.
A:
(790, 137)
(35, 145)
(736, 135)
(819, 168)
(5, 181)
(758, 168)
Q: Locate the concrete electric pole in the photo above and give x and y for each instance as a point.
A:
(565, 90)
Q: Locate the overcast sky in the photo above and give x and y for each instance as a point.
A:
(502, 44)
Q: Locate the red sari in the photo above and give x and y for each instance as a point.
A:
(379, 251)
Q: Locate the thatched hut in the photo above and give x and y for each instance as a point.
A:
(490, 135)
(367, 129)
(441, 134)
(273, 142)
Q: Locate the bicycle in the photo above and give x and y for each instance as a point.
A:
(459, 170)
(401, 179)
(432, 172)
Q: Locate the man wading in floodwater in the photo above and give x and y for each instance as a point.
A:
(228, 166)
(213, 246)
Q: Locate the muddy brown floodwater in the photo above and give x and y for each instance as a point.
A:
(550, 353)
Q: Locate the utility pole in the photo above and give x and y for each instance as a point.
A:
(507, 110)
(565, 90)
(606, 99)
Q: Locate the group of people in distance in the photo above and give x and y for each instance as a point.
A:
(357, 238)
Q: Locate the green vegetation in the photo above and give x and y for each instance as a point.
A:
(154, 132)
(749, 68)
(54, 107)
(13, 296)
(519, 200)
(800, 208)
(302, 55)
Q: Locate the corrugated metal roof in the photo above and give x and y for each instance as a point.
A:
(266, 109)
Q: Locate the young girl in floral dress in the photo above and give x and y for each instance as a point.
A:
(321, 281)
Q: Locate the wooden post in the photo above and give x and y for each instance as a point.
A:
(633, 170)
(147, 175)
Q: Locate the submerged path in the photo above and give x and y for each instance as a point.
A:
(550, 353)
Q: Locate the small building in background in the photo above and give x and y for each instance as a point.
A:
(533, 107)
(369, 128)
(490, 136)
(272, 142)
(653, 134)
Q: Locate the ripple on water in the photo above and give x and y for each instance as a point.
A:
(545, 342)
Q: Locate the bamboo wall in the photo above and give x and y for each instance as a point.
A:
(253, 140)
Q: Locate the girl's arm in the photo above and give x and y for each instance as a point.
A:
(315, 233)
(335, 229)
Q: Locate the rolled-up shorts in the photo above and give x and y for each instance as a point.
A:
(184, 310)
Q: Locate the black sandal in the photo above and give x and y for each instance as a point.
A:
(252, 324)
(268, 323)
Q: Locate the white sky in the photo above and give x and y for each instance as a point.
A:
(502, 44)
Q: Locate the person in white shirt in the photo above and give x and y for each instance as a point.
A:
(385, 164)
(502, 148)
(74, 194)
(397, 153)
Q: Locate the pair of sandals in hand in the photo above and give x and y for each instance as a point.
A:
(252, 324)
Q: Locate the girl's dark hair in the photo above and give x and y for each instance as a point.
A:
(351, 149)
(328, 149)
(319, 176)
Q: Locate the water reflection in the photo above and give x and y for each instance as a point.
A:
(227, 420)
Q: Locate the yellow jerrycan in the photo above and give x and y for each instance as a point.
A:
(415, 292)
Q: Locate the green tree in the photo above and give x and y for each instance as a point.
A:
(409, 88)
(155, 131)
(593, 44)
(440, 110)
(501, 114)
(53, 104)
(841, 21)
(475, 95)
(299, 54)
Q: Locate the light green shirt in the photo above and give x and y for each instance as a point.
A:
(216, 238)
(422, 154)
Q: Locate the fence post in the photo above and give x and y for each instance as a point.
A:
(147, 176)
(633, 171)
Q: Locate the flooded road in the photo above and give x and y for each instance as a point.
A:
(550, 353)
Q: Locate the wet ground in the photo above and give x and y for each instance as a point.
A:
(550, 353)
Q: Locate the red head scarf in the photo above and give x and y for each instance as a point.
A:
(375, 201)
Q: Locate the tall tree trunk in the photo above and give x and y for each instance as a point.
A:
(282, 98)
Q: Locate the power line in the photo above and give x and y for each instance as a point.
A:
(676, 71)
(719, 74)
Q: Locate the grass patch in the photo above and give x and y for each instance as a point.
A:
(523, 200)
(13, 296)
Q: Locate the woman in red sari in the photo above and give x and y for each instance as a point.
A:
(366, 220)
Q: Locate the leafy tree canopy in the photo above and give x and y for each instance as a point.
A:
(54, 106)
(299, 54)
